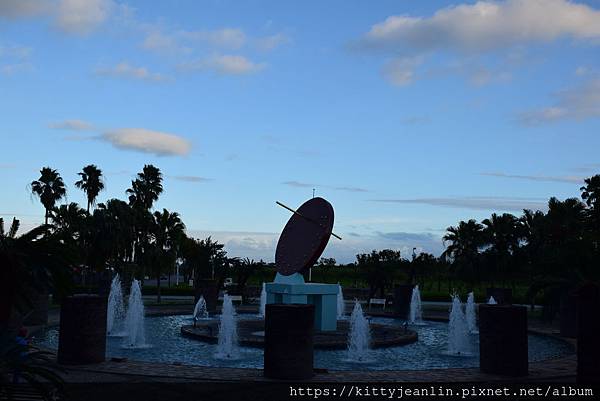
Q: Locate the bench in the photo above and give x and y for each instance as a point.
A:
(234, 298)
(377, 301)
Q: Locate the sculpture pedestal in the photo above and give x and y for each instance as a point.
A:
(322, 296)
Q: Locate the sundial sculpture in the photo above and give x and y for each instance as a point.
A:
(300, 245)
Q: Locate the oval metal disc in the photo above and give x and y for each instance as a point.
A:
(304, 237)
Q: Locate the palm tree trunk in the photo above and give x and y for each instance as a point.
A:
(46, 217)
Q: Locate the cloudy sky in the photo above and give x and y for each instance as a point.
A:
(408, 116)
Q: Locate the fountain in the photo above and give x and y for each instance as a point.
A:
(359, 338)
(263, 302)
(200, 311)
(470, 314)
(416, 314)
(115, 313)
(340, 303)
(134, 321)
(227, 347)
(492, 301)
(458, 339)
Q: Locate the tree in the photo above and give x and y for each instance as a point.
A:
(503, 234)
(243, 269)
(166, 231)
(200, 257)
(69, 221)
(465, 242)
(379, 267)
(144, 191)
(90, 183)
(112, 233)
(146, 188)
(49, 188)
(590, 192)
(34, 261)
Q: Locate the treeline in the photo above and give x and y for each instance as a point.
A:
(547, 252)
(122, 236)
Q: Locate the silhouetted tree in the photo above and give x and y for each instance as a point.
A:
(49, 188)
(90, 183)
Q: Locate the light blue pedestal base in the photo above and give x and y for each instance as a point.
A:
(293, 290)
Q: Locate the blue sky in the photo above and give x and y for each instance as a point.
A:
(407, 116)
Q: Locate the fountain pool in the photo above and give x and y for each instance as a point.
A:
(429, 352)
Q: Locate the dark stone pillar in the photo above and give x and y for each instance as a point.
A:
(82, 335)
(104, 281)
(402, 297)
(289, 341)
(503, 339)
(208, 289)
(502, 295)
(588, 327)
(568, 313)
(38, 315)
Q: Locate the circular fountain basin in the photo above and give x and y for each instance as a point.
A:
(429, 352)
(251, 333)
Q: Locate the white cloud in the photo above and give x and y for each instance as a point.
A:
(231, 38)
(253, 245)
(13, 9)
(13, 68)
(566, 179)
(299, 184)
(17, 52)
(400, 71)
(486, 25)
(14, 58)
(474, 32)
(224, 64)
(80, 17)
(72, 125)
(126, 70)
(272, 42)
(144, 140)
(164, 43)
(476, 203)
(262, 245)
(577, 103)
(191, 178)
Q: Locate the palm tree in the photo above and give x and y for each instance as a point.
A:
(69, 221)
(146, 188)
(144, 191)
(91, 183)
(167, 231)
(31, 261)
(503, 234)
(50, 188)
(590, 192)
(110, 235)
(465, 241)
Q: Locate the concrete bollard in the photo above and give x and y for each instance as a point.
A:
(289, 338)
(588, 327)
(209, 290)
(402, 297)
(82, 335)
(568, 313)
(503, 340)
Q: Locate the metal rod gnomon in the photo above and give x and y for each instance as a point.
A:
(306, 217)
